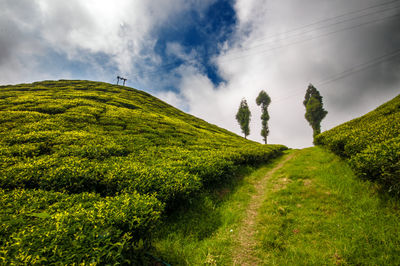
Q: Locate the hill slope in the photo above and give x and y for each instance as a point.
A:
(87, 168)
(371, 143)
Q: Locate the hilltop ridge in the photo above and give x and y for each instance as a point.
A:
(103, 163)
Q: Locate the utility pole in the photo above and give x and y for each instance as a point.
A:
(122, 79)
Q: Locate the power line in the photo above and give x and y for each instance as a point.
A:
(359, 68)
(171, 65)
(292, 30)
(322, 27)
(313, 38)
(331, 18)
(350, 71)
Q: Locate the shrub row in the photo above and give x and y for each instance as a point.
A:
(371, 144)
(172, 174)
(90, 227)
(87, 169)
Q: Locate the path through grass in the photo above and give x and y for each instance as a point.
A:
(316, 212)
(206, 231)
(309, 210)
(244, 252)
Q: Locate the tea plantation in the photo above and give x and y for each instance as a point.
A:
(87, 169)
(371, 143)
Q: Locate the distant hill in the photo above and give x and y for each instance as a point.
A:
(371, 143)
(88, 168)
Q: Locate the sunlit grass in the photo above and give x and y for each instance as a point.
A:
(317, 212)
(205, 231)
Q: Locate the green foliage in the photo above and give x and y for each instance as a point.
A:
(314, 211)
(264, 100)
(371, 143)
(314, 109)
(87, 169)
(317, 212)
(380, 162)
(243, 117)
(204, 234)
(43, 227)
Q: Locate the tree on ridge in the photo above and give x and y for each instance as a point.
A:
(264, 100)
(243, 117)
(315, 111)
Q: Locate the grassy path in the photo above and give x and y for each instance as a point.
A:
(305, 208)
(206, 232)
(316, 212)
(244, 252)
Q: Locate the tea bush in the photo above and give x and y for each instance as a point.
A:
(43, 227)
(87, 169)
(371, 143)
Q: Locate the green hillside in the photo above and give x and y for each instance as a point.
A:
(371, 143)
(87, 169)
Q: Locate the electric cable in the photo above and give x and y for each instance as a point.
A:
(173, 64)
(331, 18)
(313, 38)
(350, 71)
(321, 27)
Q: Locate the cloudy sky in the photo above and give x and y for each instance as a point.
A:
(204, 56)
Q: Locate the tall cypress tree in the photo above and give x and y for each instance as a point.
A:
(243, 117)
(315, 111)
(264, 100)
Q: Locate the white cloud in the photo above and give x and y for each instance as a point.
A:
(284, 72)
(173, 99)
(120, 29)
(123, 30)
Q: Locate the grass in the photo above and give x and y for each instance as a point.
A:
(205, 232)
(371, 143)
(317, 212)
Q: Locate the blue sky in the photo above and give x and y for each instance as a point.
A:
(205, 56)
(200, 31)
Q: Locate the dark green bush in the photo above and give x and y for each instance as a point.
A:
(380, 162)
(371, 143)
(41, 227)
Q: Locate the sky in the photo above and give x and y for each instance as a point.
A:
(204, 56)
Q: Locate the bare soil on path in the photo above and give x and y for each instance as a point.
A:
(244, 253)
